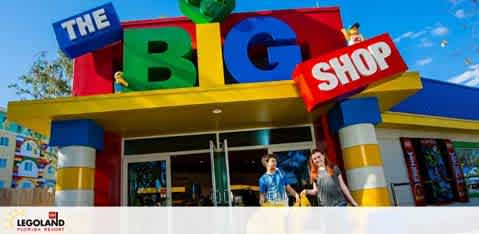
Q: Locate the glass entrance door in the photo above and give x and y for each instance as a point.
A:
(220, 172)
(148, 182)
(191, 180)
(219, 169)
(245, 169)
(293, 162)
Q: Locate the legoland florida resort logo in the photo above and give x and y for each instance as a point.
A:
(51, 223)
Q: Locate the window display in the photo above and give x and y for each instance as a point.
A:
(468, 157)
(147, 184)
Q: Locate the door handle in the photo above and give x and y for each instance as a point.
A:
(219, 196)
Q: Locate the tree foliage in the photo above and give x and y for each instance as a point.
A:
(46, 79)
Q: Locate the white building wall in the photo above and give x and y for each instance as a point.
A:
(395, 168)
(7, 152)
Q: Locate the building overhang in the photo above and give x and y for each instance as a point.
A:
(252, 105)
(402, 120)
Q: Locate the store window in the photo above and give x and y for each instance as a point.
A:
(267, 136)
(147, 184)
(235, 139)
(435, 177)
(468, 158)
(2, 184)
(168, 144)
(3, 163)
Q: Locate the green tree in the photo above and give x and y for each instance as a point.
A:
(46, 79)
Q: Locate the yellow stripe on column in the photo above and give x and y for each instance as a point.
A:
(75, 178)
(362, 156)
(372, 197)
(210, 55)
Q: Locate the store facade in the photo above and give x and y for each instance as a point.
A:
(194, 134)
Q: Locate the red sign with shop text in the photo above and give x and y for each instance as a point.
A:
(344, 71)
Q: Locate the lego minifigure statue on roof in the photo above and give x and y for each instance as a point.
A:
(353, 35)
(120, 82)
(209, 8)
(213, 8)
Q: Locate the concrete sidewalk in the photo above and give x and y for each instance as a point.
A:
(473, 201)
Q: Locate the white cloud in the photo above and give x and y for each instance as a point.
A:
(425, 43)
(437, 30)
(403, 36)
(460, 14)
(455, 3)
(425, 61)
(418, 34)
(474, 82)
(440, 31)
(468, 78)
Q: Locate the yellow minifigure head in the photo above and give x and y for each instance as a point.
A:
(354, 29)
(118, 75)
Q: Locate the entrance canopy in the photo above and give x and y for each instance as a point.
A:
(197, 109)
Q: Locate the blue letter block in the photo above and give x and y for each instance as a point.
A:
(354, 111)
(279, 39)
(82, 132)
(88, 31)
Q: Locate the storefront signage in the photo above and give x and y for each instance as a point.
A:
(456, 171)
(254, 47)
(341, 72)
(413, 171)
(248, 47)
(88, 31)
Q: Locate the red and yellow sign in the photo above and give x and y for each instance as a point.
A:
(344, 71)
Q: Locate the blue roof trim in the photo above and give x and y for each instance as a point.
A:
(443, 99)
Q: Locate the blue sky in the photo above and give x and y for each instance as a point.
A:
(418, 26)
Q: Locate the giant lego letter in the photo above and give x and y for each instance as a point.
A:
(88, 31)
(158, 58)
(206, 11)
(275, 35)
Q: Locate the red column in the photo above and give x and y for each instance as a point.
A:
(108, 172)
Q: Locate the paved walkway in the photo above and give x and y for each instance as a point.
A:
(474, 201)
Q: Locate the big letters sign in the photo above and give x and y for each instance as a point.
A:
(88, 31)
(305, 44)
(249, 47)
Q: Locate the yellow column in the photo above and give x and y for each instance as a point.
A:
(75, 176)
(210, 55)
(363, 165)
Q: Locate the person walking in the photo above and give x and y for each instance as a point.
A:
(328, 183)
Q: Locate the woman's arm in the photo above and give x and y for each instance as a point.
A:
(345, 191)
(313, 191)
